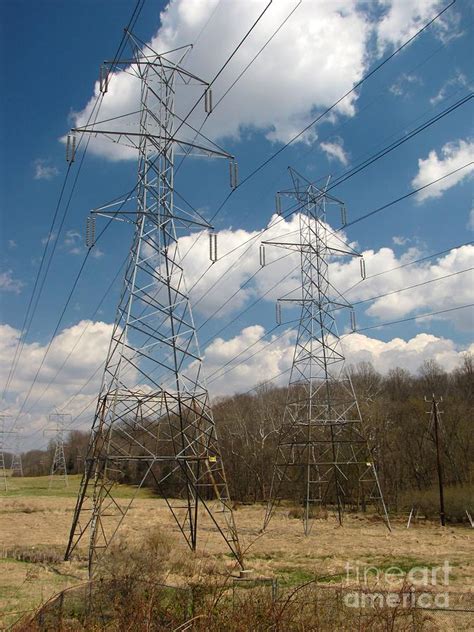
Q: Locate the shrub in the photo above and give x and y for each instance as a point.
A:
(457, 499)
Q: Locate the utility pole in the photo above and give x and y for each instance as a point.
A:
(321, 451)
(153, 422)
(58, 470)
(434, 421)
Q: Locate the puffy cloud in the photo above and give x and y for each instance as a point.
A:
(335, 150)
(234, 364)
(398, 240)
(450, 292)
(453, 156)
(260, 361)
(239, 259)
(319, 54)
(274, 95)
(213, 294)
(403, 18)
(44, 171)
(459, 80)
(8, 283)
(400, 87)
(73, 242)
(87, 342)
(409, 354)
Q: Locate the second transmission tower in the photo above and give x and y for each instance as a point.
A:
(58, 472)
(322, 455)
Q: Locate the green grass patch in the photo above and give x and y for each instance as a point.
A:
(35, 486)
(294, 576)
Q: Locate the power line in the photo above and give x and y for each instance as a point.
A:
(390, 204)
(404, 139)
(405, 320)
(29, 317)
(99, 305)
(426, 258)
(319, 117)
(407, 195)
(131, 192)
(336, 103)
(411, 287)
(400, 48)
(345, 176)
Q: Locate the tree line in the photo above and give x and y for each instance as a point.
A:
(395, 422)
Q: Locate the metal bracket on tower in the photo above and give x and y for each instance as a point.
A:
(343, 215)
(90, 231)
(208, 100)
(103, 78)
(71, 148)
(234, 174)
(278, 313)
(278, 204)
(262, 255)
(353, 320)
(213, 247)
(362, 269)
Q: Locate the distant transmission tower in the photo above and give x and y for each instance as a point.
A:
(3, 469)
(321, 451)
(153, 423)
(58, 470)
(16, 463)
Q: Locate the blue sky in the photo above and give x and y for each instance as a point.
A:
(51, 54)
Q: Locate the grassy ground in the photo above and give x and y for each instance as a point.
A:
(35, 521)
(32, 486)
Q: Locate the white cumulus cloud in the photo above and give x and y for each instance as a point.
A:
(87, 342)
(8, 283)
(44, 171)
(335, 150)
(453, 155)
(271, 358)
(291, 79)
(403, 18)
(320, 52)
(233, 283)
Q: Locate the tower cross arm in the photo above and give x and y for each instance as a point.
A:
(307, 246)
(215, 151)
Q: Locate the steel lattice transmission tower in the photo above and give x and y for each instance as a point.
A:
(3, 469)
(322, 451)
(16, 462)
(153, 422)
(58, 470)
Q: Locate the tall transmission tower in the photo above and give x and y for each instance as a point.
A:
(322, 451)
(58, 472)
(3, 469)
(16, 466)
(153, 422)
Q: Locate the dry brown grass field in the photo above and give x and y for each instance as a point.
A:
(34, 525)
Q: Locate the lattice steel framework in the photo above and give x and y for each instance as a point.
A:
(16, 465)
(153, 421)
(322, 451)
(3, 469)
(58, 471)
